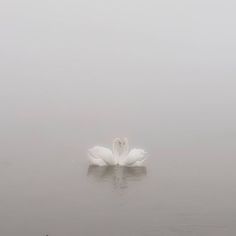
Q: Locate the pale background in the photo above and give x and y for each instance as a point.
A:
(78, 73)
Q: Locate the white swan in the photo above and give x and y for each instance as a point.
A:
(134, 157)
(101, 156)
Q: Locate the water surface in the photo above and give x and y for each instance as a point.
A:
(78, 73)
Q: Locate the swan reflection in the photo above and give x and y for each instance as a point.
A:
(119, 176)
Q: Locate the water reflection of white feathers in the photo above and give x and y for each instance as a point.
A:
(118, 176)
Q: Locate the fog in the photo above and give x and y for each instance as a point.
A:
(74, 74)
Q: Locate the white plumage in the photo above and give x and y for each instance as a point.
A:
(134, 157)
(101, 156)
(120, 155)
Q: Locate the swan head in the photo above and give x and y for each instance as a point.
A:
(125, 141)
(125, 145)
(117, 142)
(117, 145)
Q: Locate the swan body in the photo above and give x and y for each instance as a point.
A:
(101, 156)
(133, 157)
(119, 155)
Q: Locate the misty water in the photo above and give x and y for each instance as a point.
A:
(76, 74)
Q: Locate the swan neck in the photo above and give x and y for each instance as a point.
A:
(126, 149)
(115, 150)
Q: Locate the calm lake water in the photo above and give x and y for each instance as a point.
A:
(78, 73)
(48, 188)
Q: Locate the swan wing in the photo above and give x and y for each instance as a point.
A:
(136, 157)
(96, 161)
(139, 163)
(101, 156)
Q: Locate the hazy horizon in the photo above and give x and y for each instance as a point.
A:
(79, 73)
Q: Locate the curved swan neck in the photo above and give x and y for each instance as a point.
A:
(126, 146)
(115, 148)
